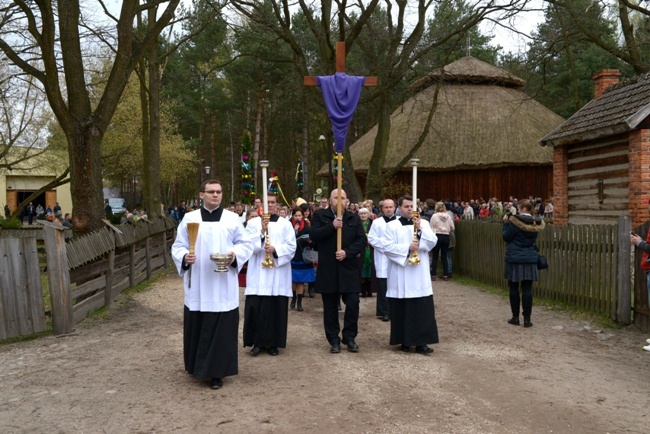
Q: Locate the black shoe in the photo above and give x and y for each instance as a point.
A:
(293, 303)
(340, 308)
(514, 320)
(216, 383)
(300, 303)
(352, 346)
(335, 348)
(423, 349)
(385, 318)
(527, 322)
(256, 351)
(312, 294)
(273, 351)
(363, 294)
(405, 348)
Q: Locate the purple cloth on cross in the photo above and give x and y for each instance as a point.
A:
(341, 93)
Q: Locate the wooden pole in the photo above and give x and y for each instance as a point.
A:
(58, 274)
(339, 204)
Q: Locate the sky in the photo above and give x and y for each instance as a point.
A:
(524, 22)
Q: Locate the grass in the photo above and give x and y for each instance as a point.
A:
(547, 304)
(97, 315)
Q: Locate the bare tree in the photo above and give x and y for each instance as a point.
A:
(46, 40)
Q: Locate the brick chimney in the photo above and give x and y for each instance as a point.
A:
(603, 80)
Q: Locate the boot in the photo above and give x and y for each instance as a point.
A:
(514, 320)
(299, 302)
(293, 300)
(527, 322)
(310, 286)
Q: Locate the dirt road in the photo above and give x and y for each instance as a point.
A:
(125, 374)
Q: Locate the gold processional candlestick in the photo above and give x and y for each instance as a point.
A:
(264, 164)
(415, 162)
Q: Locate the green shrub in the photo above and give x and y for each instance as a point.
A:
(12, 223)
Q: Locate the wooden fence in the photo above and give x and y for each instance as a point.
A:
(589, 265)
(84, 273)
(21, 293)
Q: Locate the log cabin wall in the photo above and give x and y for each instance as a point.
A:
(501, 182)
(598, 181)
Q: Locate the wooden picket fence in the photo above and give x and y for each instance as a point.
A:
(84, 273)
(589, 265)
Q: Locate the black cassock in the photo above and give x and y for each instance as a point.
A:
(412, 320)
(210, 338)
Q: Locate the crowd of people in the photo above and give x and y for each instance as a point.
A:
(390, 249)
(32, 213)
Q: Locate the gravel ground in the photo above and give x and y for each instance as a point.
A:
(124, 373)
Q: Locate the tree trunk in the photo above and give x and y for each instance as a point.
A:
(151, 152)
(305, 150)
(353, 189)
(86, 178)
(258, 131)
(375, 179)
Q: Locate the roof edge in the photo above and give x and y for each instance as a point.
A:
(589, 135)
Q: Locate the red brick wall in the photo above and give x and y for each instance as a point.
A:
(639, 173)
(560, 185)
(605, 79)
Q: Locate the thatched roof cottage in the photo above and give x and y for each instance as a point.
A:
(483, 140)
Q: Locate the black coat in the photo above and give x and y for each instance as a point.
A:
(335, 276)
(521, 235)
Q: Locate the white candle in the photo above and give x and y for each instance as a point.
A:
(414, 164)
(265, 200)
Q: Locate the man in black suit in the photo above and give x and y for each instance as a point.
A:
(338, 274)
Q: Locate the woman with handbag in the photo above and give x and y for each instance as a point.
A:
(301, 272)
(520, 232)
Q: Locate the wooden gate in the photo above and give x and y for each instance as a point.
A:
(21, 294)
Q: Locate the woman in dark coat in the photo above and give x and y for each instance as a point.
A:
(520, 232)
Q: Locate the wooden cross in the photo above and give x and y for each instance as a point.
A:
(310, 80)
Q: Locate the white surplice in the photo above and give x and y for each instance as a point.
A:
(211, 291)
(405, 280)
(377, 239)
(277, 280)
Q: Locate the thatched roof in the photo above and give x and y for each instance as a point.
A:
(469, 70)
(483, 122)
(620, 109)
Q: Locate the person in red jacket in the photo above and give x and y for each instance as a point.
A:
(645, 259)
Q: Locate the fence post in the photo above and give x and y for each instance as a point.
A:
(132, 265)
(110, 266)
(623, 294)
(58, 274)
(147, 249)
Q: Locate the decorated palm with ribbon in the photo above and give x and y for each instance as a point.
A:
(300, 179)
(247, 165)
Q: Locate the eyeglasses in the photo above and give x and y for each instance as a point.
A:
(212, 192)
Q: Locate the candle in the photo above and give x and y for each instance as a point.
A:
(265, 200)
(414, 163)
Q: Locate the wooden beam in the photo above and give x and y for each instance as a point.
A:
(310, 80)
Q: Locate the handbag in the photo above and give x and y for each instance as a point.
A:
(542, 263)
(309, 255)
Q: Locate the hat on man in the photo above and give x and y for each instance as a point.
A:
(300, 201)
